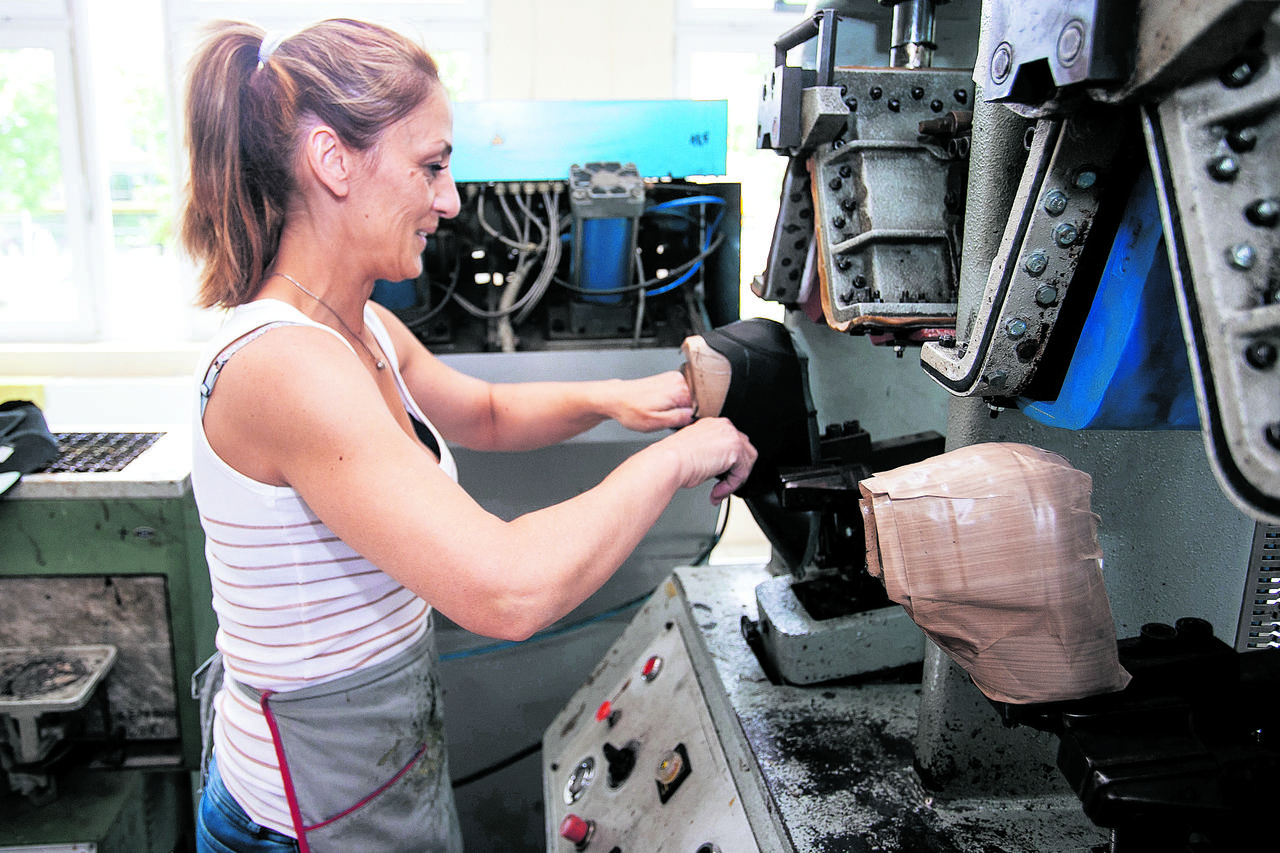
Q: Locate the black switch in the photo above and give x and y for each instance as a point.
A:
(621, 761)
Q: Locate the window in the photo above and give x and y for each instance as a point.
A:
(45, 286)
(723, 52)
(91, 159)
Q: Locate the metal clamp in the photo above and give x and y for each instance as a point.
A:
(1212, 147)
(1052, 224)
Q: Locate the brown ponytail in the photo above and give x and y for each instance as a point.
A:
(244, 120)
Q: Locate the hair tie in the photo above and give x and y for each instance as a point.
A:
(270, 42)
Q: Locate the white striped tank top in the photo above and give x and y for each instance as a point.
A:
(296, 606)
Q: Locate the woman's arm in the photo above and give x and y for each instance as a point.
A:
(294, 408)
(527, 415)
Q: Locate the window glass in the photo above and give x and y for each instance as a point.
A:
(146, 296)
(36, 241)
(736, 76)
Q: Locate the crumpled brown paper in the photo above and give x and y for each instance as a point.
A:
(993, 551)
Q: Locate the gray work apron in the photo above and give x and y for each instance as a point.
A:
(363, 758)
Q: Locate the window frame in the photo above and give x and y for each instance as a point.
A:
(51, 26)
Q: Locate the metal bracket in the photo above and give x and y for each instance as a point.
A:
(792, 235)
(1051, 225)
(781, 123)
(1041, 58)
(889, 202)
(1034, 49)
(1213, 152)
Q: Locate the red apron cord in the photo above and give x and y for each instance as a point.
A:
(295, 812)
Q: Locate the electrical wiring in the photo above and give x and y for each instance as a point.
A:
(675, 204)
(635, 339)
(502, 764)
(548, 247)
(489, 229)
(417, 317)
(722, 525)
(551, 203)
(684, 271)
(687, 265)
(535, 240)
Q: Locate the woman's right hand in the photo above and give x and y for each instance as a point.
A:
(712, 447)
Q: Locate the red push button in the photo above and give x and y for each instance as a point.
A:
(652, 667)
(575, 829)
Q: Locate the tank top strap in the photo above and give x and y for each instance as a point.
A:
(221, 359)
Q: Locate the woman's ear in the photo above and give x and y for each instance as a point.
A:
(328, 159)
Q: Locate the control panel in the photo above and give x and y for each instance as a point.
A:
(633, 763)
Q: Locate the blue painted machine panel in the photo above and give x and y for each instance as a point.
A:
(540, 140)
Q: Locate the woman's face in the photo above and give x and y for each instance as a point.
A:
(406, 188)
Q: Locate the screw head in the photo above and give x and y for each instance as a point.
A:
(1070, 42)
(1242, 256)
(1239, 72)
(1001, 62)
(1015, 328)
(1055, 201)
(1064, 234)
(1261, 355)
(1036, 263)
(1224, 168)
(1272, 434)
(1242, 140)
(1046, 295)
(1264, 212)
(1085, 178)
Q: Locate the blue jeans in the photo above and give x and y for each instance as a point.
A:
(223, 827)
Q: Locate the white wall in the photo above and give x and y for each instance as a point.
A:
(581, 49)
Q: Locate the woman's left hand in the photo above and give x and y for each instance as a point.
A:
(653, 403)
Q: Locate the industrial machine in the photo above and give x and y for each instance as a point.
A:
(1072, 232)
(105, 602)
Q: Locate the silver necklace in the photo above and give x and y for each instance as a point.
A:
(377, 362)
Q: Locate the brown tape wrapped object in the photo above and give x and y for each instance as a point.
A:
(993, 551)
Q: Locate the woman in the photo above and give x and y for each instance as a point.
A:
(333, 519)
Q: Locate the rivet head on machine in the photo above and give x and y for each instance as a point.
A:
(1046, 295)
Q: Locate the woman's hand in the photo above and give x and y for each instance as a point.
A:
(712, 447)
(653, 403)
